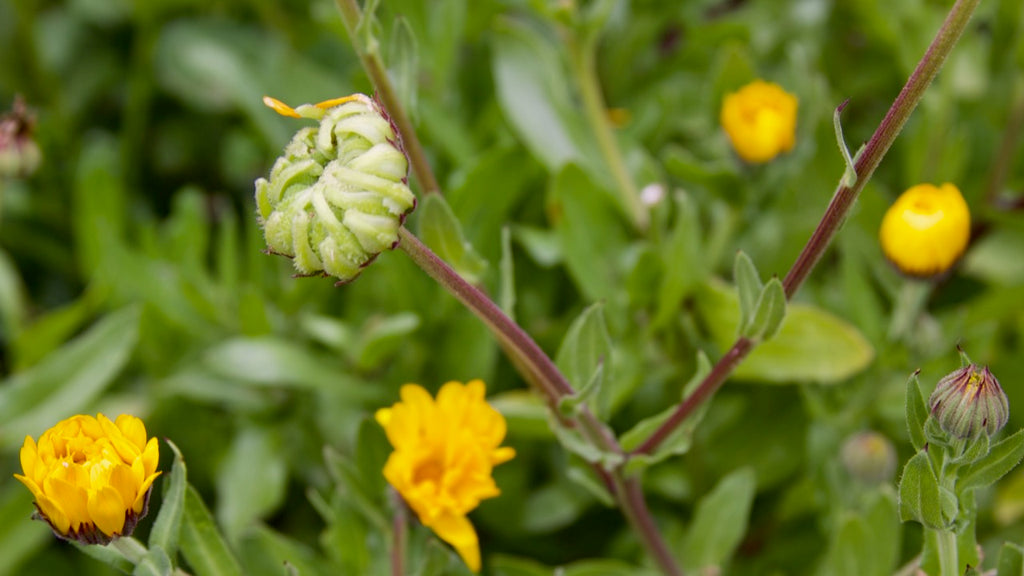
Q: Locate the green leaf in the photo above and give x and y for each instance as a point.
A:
(252, 480)
(720, 521)
(19, 537)
(682, 260)
(264, 551)
(403, 63)
(381, 337)
(372, 450)
(524, 412)
(167, 525)
(68, 380)
(919, 498)
(201, 543)
(1011, 560)
(812, 346)
(591, 233)
(585, 350)
(769, 312)
(680, 440)
(917, 412)
(155, 563)
(13, 300)
(1001, 459)
(442, 232)
(748, 286)
(507, 279)
(553, 507)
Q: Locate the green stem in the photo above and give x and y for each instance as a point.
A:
(582, 61)
(1008, 145)
(945, 544)
(352, 16)
(541, 371)
(838, 208)
(133, 550)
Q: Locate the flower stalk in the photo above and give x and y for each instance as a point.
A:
(838, 208)
(399, 525)
(370, 58)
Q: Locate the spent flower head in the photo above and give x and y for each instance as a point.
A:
(968, 401)
(444, 453)
(339, 194)
(760, 120)
(91, 477)
(926, 230)
(19, 153)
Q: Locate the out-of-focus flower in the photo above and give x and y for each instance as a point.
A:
(91, 477)
(19, 153)
(869, 457)
(444, 452)
(338, 195)
(926, 230)
(968, 401)
(760, 120)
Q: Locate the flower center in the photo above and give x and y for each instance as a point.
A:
(429, 470)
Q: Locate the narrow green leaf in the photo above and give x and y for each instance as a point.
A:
(507, 286)
(769, 312)
(403, 63)
(683, 260)
(155, 563)
(917, 413)
(1001, 459)
(252, 480)
(568, 406)
(167, 525)
(1011, 560)
(586, 345)
(720, 521)
(381, 337)
(919, 498)
(442, 232)
(20, 538)
(372, 450)
(106, 554)
(201, 542)
(748, 287)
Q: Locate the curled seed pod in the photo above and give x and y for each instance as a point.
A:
(337, 196)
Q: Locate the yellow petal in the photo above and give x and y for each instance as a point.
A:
(383, 417)
(141, 498)
(458, 531)
(123, 480)
(336, 101)
(151, 455)
(31, 485)
(133, 429)
(127, 450)
(503, 454)
(29, 457)
(107, 510)
(53, 513)
(72, 500)
(280, 107)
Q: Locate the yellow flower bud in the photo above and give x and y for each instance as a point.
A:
(444, 452)
(926, 230)
(91, 477)
(338, 195)
(760, 120)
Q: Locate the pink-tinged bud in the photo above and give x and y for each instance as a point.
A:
(968, 401)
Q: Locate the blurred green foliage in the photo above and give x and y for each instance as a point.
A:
(132, 278)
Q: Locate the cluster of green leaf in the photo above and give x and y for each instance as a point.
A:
(132, 277)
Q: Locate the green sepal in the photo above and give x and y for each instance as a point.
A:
(1000, 460)
(748, 286)
(769, 312)
(919, 498)
(167, 526)
(917, 413)
(442, 231)
(156, 562)
(108, 554)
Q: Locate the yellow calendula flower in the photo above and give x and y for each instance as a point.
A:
(760, 120)
(91, 476)
(926, 230)
(444, 452)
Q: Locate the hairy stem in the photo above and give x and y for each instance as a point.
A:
(635, 509)
(582, 62)
(398, 529)
(838, 208)
(370, 57)
(945, 545)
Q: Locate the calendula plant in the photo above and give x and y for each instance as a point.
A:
(605, 210)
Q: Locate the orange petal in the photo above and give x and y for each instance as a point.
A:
(280, 107)
(458, 531)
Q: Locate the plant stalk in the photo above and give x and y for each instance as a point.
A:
(634, 507)
(945, 544)
(584, 68)
(370, 58)
(398, 533)
(843, 199)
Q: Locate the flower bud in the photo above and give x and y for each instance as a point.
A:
(338, 195)
(869, 457)
(926, 230)
(760, 120)
(969, 401)
(19, 153)
(91, 477)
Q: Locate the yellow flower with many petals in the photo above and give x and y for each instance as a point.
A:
(444, 452)
(926, 230)
(91, 476)
(760, 120)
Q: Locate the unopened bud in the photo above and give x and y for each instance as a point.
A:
(19, 153)
(869, 457)
(338, 195)
(968, 401)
